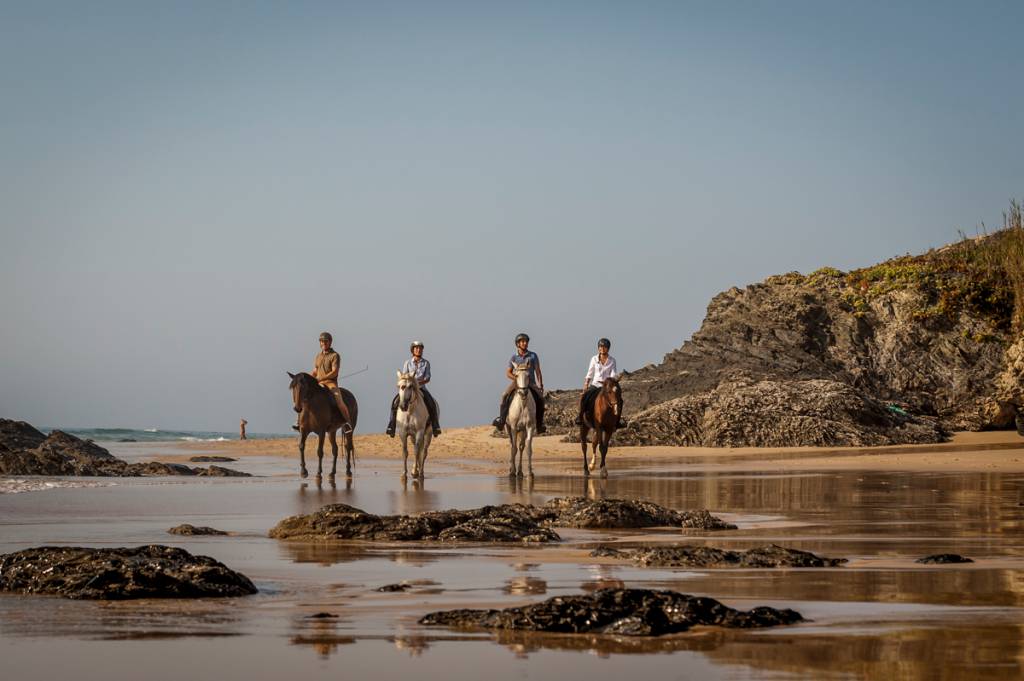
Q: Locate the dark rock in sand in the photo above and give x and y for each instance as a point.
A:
(127, 439)
(625, 513)
(625, 612)
(392, 588)
(192, 530)
(118, 574)
(211, 459)
(507, 523)
(943, 559)
(898, 353)
(771, 556)
(23, 453)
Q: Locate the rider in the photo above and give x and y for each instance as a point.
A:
(326, 367)
(532, 361)
(602, 367)
(419, 367)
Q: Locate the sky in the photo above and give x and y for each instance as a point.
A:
(191, 192)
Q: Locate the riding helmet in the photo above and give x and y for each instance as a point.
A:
(326, 336)
(522, 336)
(604, 343)
(415, 344)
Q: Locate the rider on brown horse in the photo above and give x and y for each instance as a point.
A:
(326, 367)
(532, 362)
(602, 367)
(420, 368)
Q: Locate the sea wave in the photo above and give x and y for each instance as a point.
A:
(19, 485)
(157, 435)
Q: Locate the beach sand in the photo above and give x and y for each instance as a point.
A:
(881, 616)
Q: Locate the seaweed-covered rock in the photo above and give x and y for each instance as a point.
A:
(192, 530)
(210, 459)
(771, 556)
(943, 559)
(117, 574)
(60, 453)
(506, 523)
(626, 612)
(625, 513)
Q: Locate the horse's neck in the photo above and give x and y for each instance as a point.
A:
(524, 407)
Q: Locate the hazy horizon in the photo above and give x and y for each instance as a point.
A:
(192, 192)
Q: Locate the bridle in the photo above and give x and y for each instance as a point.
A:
(410, 385)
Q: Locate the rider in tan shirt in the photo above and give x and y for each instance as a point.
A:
(326, 367)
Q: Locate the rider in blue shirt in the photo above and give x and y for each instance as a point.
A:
(532, 361)
(420, 368)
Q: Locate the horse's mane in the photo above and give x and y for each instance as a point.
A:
(305, 380)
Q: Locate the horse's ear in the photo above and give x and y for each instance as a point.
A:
(290, 375)
(399, 374)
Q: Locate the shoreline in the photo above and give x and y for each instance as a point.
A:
(995, 451)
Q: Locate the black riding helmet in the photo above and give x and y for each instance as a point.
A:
(522, 336)
(604, 343)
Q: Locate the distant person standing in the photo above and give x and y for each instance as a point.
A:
(241, 429)
(418, 366)
(326, 367)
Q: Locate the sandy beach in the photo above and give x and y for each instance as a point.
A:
(880, 616)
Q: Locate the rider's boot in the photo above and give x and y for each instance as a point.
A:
(499, 422)
(394, 412)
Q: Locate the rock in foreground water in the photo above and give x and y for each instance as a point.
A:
(117, 574)
(943, 559)
(625, 513)
(627, 612)
(192, 531)
(771, 556)
(506, 523)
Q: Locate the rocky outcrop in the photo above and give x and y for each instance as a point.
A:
(625, 612)
(119, 574)
(211, 459)
(505, 523)
(943, 559)
(901, 352)
(26, 451)
(192, 531)
(771, 556)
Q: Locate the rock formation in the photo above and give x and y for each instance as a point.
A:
(901, 352)
(505, 523)
(26, 451)
(625, 612)
(943, 559)
(118, 574)
(193, 531)
(771, 556)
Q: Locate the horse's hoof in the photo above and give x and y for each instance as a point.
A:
(604, 473)
(519, 473)
(331, 477)
(348, 473)
(531, 474)
(586, 472)
(303, 473)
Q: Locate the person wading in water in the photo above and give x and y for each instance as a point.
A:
(326, 367)
(602, 367)
(532, 361)
(420, 368)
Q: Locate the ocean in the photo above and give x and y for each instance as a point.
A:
(157, 435)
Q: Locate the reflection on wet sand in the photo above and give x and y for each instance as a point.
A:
(321, 634)
(525, 585)
(332, 553)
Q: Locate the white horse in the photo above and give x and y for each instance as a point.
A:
(413, 420)
(521, 423)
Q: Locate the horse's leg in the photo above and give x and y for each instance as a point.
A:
(428, 435)
(529, 453)
(512, 441)
(350, 452)
(606, 436)
(405, 452)
(593, 449)
(417, 443)
(584, 432)
(334, 450)
(320, 437)
(303, 434)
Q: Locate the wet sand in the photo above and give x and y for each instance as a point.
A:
(881, 616)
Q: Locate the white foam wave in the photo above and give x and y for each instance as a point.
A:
(150, 430)
(18, 485)
(189, 438)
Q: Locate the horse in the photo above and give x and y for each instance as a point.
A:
(602, 417)
(413, 420)
(319, 413)
(521, 423)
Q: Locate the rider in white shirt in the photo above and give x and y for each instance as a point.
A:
(602, 367)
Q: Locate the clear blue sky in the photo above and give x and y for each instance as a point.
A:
(191, 192)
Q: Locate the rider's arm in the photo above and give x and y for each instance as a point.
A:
(332, 375)
(426, 373)
(540, 376)
(508, 371)
(615, 370)
(590, 374)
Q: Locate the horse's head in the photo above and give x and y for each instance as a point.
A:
(408, 388)
(300, 387)
(522, 377)
(613, 393)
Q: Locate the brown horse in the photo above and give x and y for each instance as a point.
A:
(318, 413)
(603, 418)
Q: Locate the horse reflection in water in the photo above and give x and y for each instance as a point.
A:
(319, 413)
